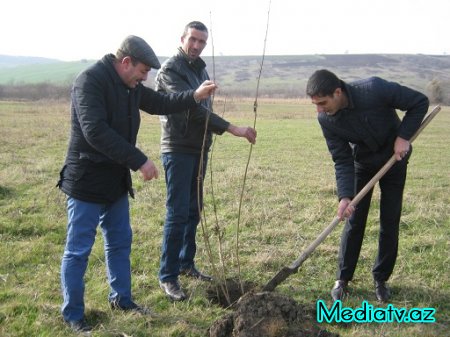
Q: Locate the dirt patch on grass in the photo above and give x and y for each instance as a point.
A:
(226, 294)
(267, 314)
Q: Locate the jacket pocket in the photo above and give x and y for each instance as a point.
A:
(72, 172)
(94, 157)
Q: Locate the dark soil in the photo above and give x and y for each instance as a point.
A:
(228, 293)
(267, 314)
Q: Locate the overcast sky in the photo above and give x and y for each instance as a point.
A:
(88, 29)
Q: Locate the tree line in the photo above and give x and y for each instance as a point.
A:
(437, 91)
(35, 91)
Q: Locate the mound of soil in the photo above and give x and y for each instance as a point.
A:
(268, 314)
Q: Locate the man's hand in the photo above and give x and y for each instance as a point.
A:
(243, 131)
(344, 211)
(401, 148)
(205, 90)
(148, 170)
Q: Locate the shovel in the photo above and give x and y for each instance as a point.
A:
(286, 271)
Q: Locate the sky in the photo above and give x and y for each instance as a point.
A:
(89, 29)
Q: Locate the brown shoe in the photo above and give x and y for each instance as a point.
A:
(339, 290)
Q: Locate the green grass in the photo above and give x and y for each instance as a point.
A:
(57, 73)
(289, 198)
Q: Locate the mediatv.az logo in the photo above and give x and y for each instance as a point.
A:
(367, 313)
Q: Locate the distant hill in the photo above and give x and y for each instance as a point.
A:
(15, 70)
(287, 75)
(8, 61)
(283, 76)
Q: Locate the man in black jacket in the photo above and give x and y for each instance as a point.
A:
(181, 147)
(105, 119)
(362, 131)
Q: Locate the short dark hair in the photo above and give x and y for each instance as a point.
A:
(322, 83)
(196, 25)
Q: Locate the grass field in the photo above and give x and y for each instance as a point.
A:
(57, 73)
(289, 198)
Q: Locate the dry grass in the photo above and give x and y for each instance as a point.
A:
(289, 198)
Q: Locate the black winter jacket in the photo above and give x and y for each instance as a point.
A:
(364, 133)
(105, 120)
(184, 132)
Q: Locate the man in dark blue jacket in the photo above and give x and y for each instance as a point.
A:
(105, 119)
(181, 147)
(362, 131)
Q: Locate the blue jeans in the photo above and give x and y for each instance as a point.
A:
(182, 213)
(83, 219)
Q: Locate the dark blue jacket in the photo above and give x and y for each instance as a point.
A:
(184, 132)
(105, 120)
(364, 133)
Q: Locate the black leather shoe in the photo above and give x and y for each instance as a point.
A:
(194, 273)
(79, 326)
(173, 290)
(339, 290)
(382, 291)
(130, 307)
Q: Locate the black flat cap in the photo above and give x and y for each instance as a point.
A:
(139, 49)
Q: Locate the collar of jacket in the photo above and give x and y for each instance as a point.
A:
(108, 60)
(198, 63)
(347, 89)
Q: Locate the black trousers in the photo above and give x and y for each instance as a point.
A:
(391, 187)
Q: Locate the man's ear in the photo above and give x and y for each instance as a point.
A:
(126, 60)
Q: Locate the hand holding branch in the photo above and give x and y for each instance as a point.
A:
(205, 90)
